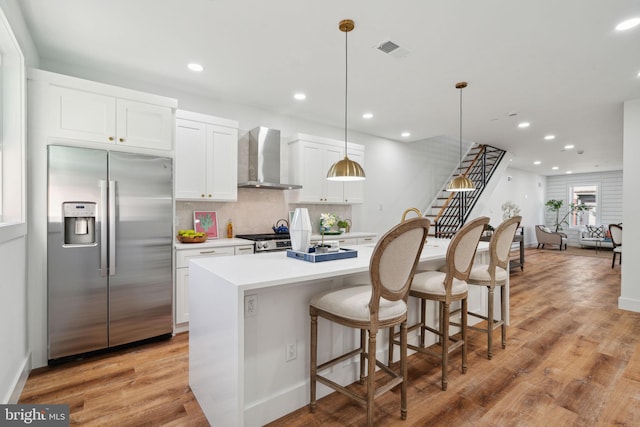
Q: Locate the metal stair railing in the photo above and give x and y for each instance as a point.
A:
(453, 208)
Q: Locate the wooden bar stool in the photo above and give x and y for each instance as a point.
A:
(495, 274)
(446, 287)
(379, 305)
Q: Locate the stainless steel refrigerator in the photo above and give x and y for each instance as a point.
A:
(110, 233)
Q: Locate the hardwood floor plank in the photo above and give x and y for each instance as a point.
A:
(572, 358)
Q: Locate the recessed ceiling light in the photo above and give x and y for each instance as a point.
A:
(405, 134)
(537, 162)
(638, 73)
(555, 168)
(524, 125)
(300, 96)
(569, 172)
(549, 137)
(628, 24)
(195, 67)
(569, 147)
(367, 115)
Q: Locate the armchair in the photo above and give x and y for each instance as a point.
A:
(546, 236)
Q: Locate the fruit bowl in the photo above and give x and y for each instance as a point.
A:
(191, 239)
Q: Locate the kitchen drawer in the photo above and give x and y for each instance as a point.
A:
(244, 249)
(183, 256)
(367, 240)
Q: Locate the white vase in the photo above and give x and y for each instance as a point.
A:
(300, 230)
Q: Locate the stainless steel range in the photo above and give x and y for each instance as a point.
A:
(269, 242)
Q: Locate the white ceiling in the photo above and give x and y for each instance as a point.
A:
(559, 65)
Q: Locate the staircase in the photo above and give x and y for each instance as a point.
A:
(450, 210)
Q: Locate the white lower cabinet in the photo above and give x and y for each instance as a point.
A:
(183, 257)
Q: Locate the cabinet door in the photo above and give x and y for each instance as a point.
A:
(354, 190)
(222, 163)
(182, 295)
(82, 115)
(312, 172)
(144, 125)
(191, 159)
(334, 190)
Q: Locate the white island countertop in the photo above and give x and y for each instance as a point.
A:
(251, 367)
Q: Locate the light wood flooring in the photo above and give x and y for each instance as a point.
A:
(572, 359)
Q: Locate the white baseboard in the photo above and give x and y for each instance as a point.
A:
(20, 380)
(629, 304)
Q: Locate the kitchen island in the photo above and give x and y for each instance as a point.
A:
(249, 329)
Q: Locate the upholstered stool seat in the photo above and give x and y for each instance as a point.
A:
(480, 273)
(353, 304)
(379, 305)
(433, 282)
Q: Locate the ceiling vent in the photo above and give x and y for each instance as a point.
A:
(392, 49)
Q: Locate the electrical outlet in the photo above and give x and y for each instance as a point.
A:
(291, 351)
(250, 305)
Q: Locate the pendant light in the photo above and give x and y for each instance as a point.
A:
(460, 182)
(346, 169)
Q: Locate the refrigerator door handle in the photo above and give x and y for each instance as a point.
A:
(103, 227)
(112, 228)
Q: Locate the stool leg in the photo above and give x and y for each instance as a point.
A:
(423, 320)
(503, 315)
(390, 359)
(444, 329)
(463, 333)
(490, 324)
(363, 338)
(313, 351)
(371, 376)
(403, 370)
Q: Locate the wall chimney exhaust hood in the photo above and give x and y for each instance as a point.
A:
(264, 161)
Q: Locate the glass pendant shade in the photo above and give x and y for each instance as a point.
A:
(346, 170)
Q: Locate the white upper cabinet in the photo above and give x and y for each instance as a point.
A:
(206, 157)
(93, 112)
(310, 158)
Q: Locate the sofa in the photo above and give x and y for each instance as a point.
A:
(548, 237)
(588, 234)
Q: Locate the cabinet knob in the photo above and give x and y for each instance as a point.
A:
(209, 195)
(110, 138)
(121, 140)
(202, 195)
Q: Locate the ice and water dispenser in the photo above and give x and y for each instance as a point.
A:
(79, 223)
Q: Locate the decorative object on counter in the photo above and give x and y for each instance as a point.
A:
(327, 221)
(300, 231)
(349, 225)
(206, 222)
(191, 236)
(281, 227)
(346, 169)
(461, 182)
(509, 210)
(488, 230)
(229, 229)
(322, 256)
(343, 225)
(554, 205)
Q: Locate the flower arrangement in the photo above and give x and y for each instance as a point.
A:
(327, 221)
(509, 210)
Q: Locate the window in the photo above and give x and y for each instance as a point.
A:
(585, 195)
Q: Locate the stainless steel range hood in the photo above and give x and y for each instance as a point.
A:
(264, 161)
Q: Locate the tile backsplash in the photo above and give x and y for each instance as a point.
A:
(256, 211)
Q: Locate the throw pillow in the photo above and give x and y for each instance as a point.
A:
(595, 231)
(546, 229)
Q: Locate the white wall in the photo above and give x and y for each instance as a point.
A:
(526, 190)
(630, 287)
(14, 356)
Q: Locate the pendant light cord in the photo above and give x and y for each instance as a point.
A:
(346, 85)
(460, 164)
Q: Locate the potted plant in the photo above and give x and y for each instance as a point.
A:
(554, 205)
(343, 225)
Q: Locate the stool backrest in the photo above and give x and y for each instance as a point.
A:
(462, 250)
(500, 243)
(394, 261)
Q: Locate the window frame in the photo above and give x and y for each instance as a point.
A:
(570, 193)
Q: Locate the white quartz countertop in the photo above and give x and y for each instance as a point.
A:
(350, 235)
(213, 243)
(275, 268)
